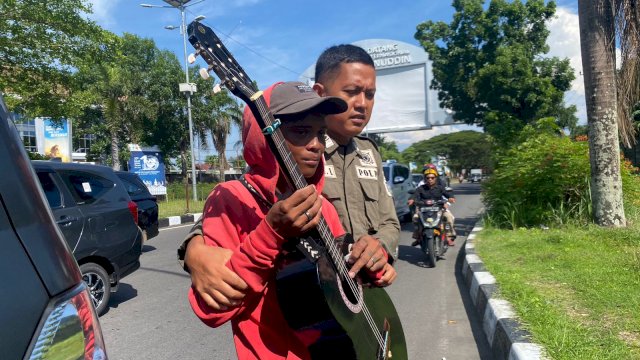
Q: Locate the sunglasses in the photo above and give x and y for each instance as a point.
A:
(430, 177)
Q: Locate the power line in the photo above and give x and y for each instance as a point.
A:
(228, 36)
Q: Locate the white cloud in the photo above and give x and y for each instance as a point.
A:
(405, 139)
(564, 42)
(104, 11)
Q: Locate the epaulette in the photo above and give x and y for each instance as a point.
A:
(369, 140)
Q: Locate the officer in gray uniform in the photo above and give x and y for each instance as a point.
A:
(355, 185)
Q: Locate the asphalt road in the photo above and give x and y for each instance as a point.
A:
(149, 317)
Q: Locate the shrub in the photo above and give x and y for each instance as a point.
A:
(544, 180)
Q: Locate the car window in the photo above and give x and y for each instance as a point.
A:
(402, 171)
(86, 188)
(132, 187)
(385, 170)
(50, 190)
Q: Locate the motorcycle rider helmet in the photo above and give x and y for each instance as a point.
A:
(428, 166)
(430, 171)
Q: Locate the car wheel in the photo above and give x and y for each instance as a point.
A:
(97, 281)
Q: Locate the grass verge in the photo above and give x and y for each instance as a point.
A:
(577, 289)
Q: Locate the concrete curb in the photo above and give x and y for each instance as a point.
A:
(506, 336)
(178, 220)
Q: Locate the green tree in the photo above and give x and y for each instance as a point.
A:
(488, 65)
(387, 148)
(463, 150)
(41, 45)
(215, 113)
(120, 94)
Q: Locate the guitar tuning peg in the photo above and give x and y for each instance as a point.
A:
(216, 88)
(204, 73)
(192, 58)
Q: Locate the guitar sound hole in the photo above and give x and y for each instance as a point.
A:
(352, 300)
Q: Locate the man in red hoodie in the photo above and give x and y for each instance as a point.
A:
(252, 218)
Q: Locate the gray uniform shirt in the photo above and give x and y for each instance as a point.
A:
(355, 185)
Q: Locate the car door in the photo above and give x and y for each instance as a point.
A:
(109, 220)
(401, 188)
(66, 213)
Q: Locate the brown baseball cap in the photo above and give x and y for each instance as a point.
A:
(294, 97)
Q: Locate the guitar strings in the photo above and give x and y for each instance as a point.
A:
(300, 182)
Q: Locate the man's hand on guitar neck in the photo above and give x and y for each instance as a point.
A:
(218, 285)
(369, 254)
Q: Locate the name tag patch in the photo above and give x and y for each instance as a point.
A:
(370, 173)
(367, 159)
(329, 171)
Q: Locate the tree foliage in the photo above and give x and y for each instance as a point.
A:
(387, 148)
(42, 44)
(124, 93)
(463, 150)
(215, 114)
(488, 65)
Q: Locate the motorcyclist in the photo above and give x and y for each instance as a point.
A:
(431, 166)
(431, 190)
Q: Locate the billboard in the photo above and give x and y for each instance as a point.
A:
(54, 138)
(149, 166)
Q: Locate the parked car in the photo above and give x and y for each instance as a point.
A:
(98, 220)
(147, 203)
(399, 183)
(45, 307)
(415, 179)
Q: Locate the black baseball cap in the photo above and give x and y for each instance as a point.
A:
(294, 97)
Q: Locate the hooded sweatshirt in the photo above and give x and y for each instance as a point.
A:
(234, 219)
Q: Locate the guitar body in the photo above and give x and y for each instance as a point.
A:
(313, 297)
(342, 318)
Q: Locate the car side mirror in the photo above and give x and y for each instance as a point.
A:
(412, 191)
(398, 179)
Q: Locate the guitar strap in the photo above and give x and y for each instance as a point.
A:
(307, 245)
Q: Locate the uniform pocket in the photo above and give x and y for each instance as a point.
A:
(371, 193)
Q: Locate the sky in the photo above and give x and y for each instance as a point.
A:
(276, 40)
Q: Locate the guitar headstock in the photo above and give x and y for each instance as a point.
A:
(220, 60)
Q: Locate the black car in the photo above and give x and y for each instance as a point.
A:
(45, 307)
(147, 203)
(98, 220)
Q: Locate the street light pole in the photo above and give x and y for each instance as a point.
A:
(183, 29)
(188, 88)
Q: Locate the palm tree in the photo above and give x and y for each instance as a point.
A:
(215, 114)
(627, 25)
(597, 42)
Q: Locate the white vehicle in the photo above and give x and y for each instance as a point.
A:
(399, 183)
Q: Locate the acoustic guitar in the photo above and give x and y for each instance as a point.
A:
(354, 319)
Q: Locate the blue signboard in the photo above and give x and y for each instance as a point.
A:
(150, 167)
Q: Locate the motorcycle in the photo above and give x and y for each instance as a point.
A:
(434, 229)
